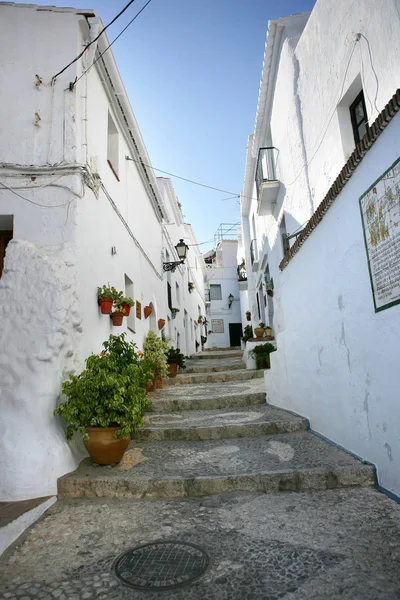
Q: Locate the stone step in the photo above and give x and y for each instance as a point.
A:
(230, 394)
(219, 424)
(288, 462)
(221, 349)
(221, 354)
(222, 376)
(213, 366)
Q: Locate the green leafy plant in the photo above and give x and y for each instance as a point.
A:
(127, 300)
(261, 354)
(154, 349)
(118, 308)
(108, 292)
(175, 310)
(175, 356)
(190, 286)
(261, 325)
(247, 333)
(109, 392)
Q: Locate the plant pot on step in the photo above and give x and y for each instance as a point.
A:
(126, 308)
(268, 331)
(258, 332)
(106, 305)
(158, 383)
(103, 447)
(117, 318)
(150, 386)
(173, 369)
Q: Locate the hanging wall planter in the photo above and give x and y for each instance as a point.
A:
(106, 305)
(174, 311)
(248, 315)
(147, 311)
(161, 323)
(117, 318)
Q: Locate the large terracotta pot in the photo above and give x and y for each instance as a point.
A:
(117, 318)
(259, 332)
(106, 305)
(127, 309)
(173, 369)
(103, 447)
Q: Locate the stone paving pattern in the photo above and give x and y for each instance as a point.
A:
(319, 545)
(298, 546)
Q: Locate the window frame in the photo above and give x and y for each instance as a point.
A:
(215, 285)
(352, 108)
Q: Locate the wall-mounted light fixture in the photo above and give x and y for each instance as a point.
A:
(230, 299)
(181, 250)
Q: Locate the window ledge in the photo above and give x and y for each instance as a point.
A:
(113, 170)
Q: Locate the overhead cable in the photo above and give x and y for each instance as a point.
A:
(93, 41)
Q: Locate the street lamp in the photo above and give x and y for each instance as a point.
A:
(181, 250)
(230, 299)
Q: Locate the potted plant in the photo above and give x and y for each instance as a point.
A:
(190, 287)
(127, 304)
(174, 311)
(259, 331)
(106, 401)
(117, 314)
(247, 333)
(105, 297)
(154, 349)
(200, 319)
(261, 354)
(175, 359)
(268, 331)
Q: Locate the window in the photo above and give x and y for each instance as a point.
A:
(283, 232)
(169, 295)
(130, 320)
(359, 118)
(112, 146)
(215, 292)
(6, 234)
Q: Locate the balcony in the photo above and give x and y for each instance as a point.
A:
(254, 255)
(207, 298)
(266, 182)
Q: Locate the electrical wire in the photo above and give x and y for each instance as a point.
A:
(37, 203)
(109, 46)
(93, 41)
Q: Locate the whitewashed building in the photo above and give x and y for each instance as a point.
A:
(224, 327)
(79, 207)
(321, 223)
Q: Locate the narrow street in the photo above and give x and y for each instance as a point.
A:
(272, 510)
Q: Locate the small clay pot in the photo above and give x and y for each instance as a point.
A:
(173, 369)
(268, 331)
(259, 332)
(103, 447)
(161, 323)
(147, 311)
(106, 305)
(127, 309)
(158, 383)
(117, 318)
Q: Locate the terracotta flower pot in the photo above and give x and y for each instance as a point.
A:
(103, 447)
(150, 387)
(127, 309)
(248, 315)
(158, 383)
(105, 305)
(161, 323)
(268, 331)
(173, 369)
(117, 318)
(147, 311)
(270, 293)
(259, 332)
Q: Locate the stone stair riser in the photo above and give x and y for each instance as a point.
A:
(199, 369)
(238, 401)
(222, 432)
(220, 355)
(294, 481)
(216, 377)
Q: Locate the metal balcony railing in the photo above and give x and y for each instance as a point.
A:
(253, 251)
(207, 295)
(266, 166)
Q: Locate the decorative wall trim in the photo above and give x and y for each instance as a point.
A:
(387, 114)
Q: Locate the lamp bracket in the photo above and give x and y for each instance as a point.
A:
(171, 266)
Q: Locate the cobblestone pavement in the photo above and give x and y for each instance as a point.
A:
(311, 546)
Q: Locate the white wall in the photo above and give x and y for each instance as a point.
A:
(226, 276)
(337, 360)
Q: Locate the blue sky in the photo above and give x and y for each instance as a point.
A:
(192, 72)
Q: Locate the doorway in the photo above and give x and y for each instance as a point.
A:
(235, 333)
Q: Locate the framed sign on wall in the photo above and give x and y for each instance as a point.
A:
(217, 325)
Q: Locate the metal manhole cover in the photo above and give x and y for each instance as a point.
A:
(161, 565)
